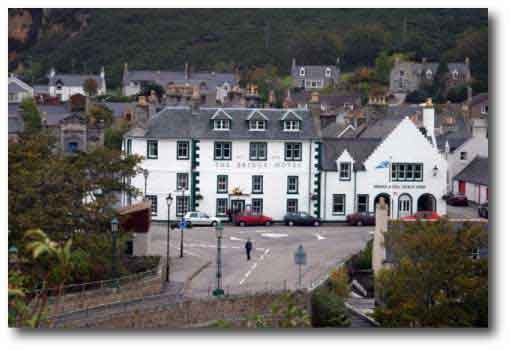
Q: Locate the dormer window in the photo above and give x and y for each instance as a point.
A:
(428, 73)
(257, 125)
(302, 72)
(222, 124)
(291, 125)
(455, 75)
(345, 171)
(328, 72)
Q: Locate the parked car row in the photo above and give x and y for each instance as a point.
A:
(456, 199)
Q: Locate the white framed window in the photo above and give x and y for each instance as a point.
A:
(182, 205)
(475, 254)
(428, 74)
(222, 184)
(154, 204)
(222, 124)
(463, 155)
(406, 172)
(182, 150)
(258, 151)
(257, 184)
(291, 125)
(292, 151)
(345, 171)
(256, 125)
(362, 203)
(129, 146)
(292, 184)
(221, 206)
(222, 150)
(152, 149)
(455, 74)
(338, 205)
(182, 181)
(292, 205)
(485, 109)
(302, 72)
(257, 206)
(328, 72)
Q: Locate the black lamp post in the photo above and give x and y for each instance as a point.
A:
(181, 254)
(114, 227)
(219, 234)
(169, 200)
(145, 176)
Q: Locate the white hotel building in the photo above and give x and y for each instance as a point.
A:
(274, 161)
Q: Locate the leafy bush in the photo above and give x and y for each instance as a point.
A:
(328, 309)
(457, 94)
(363, 260)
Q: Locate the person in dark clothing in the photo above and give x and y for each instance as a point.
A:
(248, 246)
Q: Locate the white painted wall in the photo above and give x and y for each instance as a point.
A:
(474, 193)
(406, 144)
(475, 146)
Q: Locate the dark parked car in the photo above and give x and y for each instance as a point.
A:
(301, 218)
(483, 210)
(361, 219)
(458, 200)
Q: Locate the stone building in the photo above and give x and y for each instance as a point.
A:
(310, 77)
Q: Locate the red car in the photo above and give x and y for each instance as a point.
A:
(423, 215)
(361, 219)
(458, 200)
(245, 219)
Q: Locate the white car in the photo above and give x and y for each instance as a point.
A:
(199, 218)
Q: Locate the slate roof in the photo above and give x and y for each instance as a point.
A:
(13, 110)
(118, 108)
(480, 98)
(477, 172)
(178, 77)
(74, 79)
(16, 85)
(315, 72)
(421, 68)
(335, 100)
(179, 122)
(359, 149)
(41, 89)
(387, 120)
(53, 114)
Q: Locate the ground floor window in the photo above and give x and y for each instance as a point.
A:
(405, 205)
(182, 205)
(221, 206)
(339, 204)
(154, 204)
(362, 203)
(182, 181)
(292, 184)
(257, 206)
(292, 205)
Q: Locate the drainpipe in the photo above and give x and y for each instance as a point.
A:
(324, 196)
(311, 177)
(355, 198)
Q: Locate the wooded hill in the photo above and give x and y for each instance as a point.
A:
(83, 40)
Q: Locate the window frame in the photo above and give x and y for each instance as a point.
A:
(333, 204)
(257, 146)
(295, 200)
(288, 184)
(463, 155)
(402, 168)
(218, 213)
(340, 170)
(259, 200)
(186, 201)
(181, 143)
(292, 125)
(367, 203)
(292, 158)
(256, 123)
(218, 177)
(154, 203)
(261, 190)
(149, 143)
(222, 145)
(178, 187)
(129, 146)
(224, 124)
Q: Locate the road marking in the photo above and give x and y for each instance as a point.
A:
(252, 268)
(232, 238)
(274, 235)
(319, 237)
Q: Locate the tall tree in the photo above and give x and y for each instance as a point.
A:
(90, 87)
(30, 114)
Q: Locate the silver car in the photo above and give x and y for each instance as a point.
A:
(198, 218)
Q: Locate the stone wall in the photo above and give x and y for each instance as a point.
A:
(188, 313)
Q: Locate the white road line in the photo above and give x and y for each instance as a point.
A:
(252, 268)
(232, 238)
(319, 237)
(274, 235)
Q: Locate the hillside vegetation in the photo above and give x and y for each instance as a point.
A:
(82, 40)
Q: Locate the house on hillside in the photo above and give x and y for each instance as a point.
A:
(178, 85)
(408, 76)
(310, 77)
(473, 180)
(18, 90)
(64, 86)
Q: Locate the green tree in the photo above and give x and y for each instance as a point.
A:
(434, 282)
(362, 45)
(328, 309)
(90, 87)
(30, 114)
(285, 313)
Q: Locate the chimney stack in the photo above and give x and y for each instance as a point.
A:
(195, 100)
(186, 71)
(429, 119)
(293, 63)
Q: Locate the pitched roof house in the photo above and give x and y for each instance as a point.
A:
(311, 77)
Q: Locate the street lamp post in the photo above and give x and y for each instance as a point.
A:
(145, 176)
(182, 230)
(169, 200)
(114, 226)
(219, 234)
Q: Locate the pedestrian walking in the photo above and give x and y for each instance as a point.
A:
(248, 246)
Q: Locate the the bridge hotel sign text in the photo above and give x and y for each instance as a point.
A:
(258, 165)
(400, 187)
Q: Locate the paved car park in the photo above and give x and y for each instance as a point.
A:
(272, 262)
